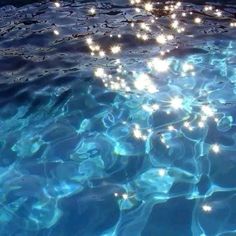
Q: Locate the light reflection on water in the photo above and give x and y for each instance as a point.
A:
(115, 122)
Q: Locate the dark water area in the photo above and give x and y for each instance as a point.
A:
(117, 118)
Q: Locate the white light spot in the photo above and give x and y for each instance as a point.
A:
(201, 124)
(187, 67)
(175, 24)
(100, 73)
(218, 13)
(176, 103)
(161, 39)
(115, 49)
(215, 148)
(89, 41)
(56, 32)
(92, 11)
(137, 133)
(197, 20)
(102, 54)
(171, 128)
(186, 124)
(159, 65)
(57, 4)
(148, 6)
(208, 111)
(143, 82)
(207, 208)
(125, 196)
(161, 172)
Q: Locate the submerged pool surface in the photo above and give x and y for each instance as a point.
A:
(117, 118)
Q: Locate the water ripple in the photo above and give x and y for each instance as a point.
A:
(136, 143)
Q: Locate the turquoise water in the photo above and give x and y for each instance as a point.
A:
(118, 122)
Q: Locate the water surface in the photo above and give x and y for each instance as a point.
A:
(118, 122)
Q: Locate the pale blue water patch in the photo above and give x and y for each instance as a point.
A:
(82, 157)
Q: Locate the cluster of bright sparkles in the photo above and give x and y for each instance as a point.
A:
(144, 83)
(137, 132)
(163, 39)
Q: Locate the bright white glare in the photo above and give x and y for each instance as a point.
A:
(99, 72)
(92, 11)
(57, 4)
(148, 6)
(125, 196)
(207, 208)
(159, 65)
(56, 32)
(208, 111)
(197, 20)
(115, 49)
(215, 148)
(161, 172)
(176, 103)
(143, 82)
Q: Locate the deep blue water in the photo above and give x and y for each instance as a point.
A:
(136, 142)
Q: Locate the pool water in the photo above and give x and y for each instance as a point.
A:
(117, 118)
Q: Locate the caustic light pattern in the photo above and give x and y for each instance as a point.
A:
(117, 118)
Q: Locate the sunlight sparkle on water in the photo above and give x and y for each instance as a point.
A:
(176, 103)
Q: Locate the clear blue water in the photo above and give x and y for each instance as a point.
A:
(138, 143)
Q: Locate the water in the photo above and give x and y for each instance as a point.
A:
(117, 122)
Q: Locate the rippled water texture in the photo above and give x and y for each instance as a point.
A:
(118, 121)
